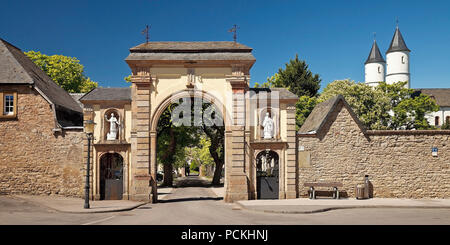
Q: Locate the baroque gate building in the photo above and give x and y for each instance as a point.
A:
(218, 73)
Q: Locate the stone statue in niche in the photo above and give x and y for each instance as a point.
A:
(268, 125)
(114, 124)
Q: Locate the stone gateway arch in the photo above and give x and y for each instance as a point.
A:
(218, 73)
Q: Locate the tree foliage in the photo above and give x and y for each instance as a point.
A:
(171, 142)
(304, 106)
(66, 71)
(298, 79)
(371, 105)
(216, 135)
(200, 153)
(127, 79)
(445, 126)
(387, 106)
(203, 142)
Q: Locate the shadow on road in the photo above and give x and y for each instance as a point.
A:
(189, 199)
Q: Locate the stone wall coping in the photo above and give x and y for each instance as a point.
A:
(408, 132)
(303, 135)
(390, 132)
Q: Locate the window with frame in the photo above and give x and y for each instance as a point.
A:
(8, 100)
(8, 108)
(436, 121)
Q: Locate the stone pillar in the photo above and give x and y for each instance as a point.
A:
(141, 141)
(88, 114)
(291, 154)
(153, 167)
(235, 143)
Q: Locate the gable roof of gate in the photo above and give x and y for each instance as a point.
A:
(182, 47)
(191, 51)
(322, 113)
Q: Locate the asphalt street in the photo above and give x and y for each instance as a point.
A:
(193, 203)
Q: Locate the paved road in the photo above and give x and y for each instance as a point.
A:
(19, 212)
(192, 202)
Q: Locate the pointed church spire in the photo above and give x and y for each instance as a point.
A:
(397, 43)
(375, 54)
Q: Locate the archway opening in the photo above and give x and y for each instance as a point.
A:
(267, 175)
(190, 143)
(111, 176)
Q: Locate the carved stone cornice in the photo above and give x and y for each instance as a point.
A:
(143, 80)
(268, 144)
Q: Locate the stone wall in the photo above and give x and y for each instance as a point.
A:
(399, 163)
(34, 160)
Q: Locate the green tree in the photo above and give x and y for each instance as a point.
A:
(127, 79)
(175, 138)
(445, 126)
(410, 112)
(408, 109)
(216, 135)
(172, 139)
(271, 82)
(67, 72)
(304, 106)
(371, 105)
(201, 153)
(297, 78)
(387, 106)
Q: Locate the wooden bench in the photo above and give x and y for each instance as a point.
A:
(313, 185)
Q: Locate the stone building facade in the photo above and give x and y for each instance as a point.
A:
(334, 146)
(99, 104)
(442, 98)
(216, 72)
(41, 136)
(43, 149)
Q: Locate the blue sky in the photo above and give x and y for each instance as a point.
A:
(334, 37)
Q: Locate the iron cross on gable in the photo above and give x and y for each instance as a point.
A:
(234, 31)
(146, 33)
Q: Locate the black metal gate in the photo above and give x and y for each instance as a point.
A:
(111, 177)
(267, 175)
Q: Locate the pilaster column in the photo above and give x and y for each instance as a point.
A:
(291, 180)
(153, 167)
(88, 114)
(141, 140)
(236, 142)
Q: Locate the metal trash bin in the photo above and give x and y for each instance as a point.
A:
(360, 189)
(366, 187)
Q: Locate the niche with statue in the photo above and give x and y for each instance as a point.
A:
(112, 125)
